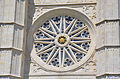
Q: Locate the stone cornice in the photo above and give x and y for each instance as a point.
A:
(12, 23)
(106, 20)
(67, 4)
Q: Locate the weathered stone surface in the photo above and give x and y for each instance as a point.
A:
(108, 45)
(12, 28)
(17, 21)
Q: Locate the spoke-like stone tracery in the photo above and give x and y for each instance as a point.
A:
(62, 41)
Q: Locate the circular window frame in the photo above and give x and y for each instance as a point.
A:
(61, 12)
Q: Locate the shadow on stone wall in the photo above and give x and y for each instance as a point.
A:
(30, 14)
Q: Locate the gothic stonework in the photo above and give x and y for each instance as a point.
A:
(14, 32)
(89, 66)
(42, 2)
(36, 68)
(89, 10)
(110, 77)
(59, 39)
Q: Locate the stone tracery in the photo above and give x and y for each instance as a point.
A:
(71, 31)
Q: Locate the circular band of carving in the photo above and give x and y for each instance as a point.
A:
(64, 41)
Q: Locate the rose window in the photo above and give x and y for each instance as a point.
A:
(62, 42)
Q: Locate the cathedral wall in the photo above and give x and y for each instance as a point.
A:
(88, 71)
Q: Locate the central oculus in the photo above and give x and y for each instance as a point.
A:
(62, 40)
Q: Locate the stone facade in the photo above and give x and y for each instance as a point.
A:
(19, 19)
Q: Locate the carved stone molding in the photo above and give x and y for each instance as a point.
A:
(61, 1)
(89, 66)
(89, 10)
(109, 77)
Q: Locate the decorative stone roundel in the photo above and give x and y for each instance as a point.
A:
(63, 43)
